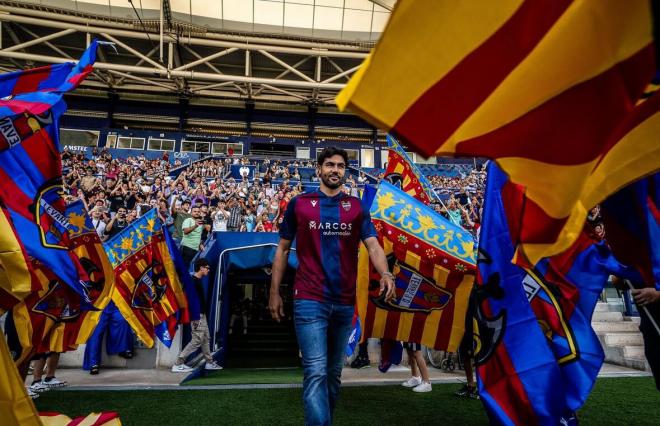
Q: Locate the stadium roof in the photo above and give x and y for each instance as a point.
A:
(280, 51)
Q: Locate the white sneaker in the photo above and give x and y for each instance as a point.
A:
(183, 368)
(423, 387)
(212, 366)
(55, 383)
(412, 382)
(32, 394)
(39, 387)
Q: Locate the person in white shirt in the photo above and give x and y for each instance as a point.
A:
(98, 223)
(270, 191)
(220, 218)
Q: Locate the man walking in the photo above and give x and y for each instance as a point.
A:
(328, 226)
(200, 329)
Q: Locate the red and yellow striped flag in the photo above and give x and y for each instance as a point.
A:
(87, 246)
(147, 290)
(42, 311)
(540, 86)
(52, 318)
(106, 418)
(433, 262)
(401, 171)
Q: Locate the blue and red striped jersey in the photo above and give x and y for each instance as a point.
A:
(327, 231)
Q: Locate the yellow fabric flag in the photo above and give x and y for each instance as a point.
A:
(541, 87)
(16, 407)
(15, 279)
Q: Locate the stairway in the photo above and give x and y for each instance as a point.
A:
(267, 344)
(619, 335)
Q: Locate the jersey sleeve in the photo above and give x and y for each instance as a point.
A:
(289, 224)
(367, 228)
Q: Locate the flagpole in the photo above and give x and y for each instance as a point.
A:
(645, 309)
(440, 199)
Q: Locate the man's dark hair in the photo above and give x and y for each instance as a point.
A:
(329, 152)
(200, 263)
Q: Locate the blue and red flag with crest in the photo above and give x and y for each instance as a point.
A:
(538, 356)
(570, 286)
(37, 90)
(30, 164)
(632, 226)
(517, 374)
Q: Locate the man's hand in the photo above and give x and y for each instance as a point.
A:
(276, 307)
(387, 287)
(645, 296)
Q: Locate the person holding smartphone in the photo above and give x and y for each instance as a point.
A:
(117, 223)
(191, 242)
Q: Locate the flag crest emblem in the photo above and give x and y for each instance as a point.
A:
(55, 304)
(414, 292)
(545, 302)
(149, 289)
(52, 223)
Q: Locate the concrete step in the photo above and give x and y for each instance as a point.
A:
(609, 307)
(617, 306)
(614, 327)
(633, 352)
(624, 339)
(627, 356)
(637, 363)
(636, 320)
(607, 316)
(601, 307)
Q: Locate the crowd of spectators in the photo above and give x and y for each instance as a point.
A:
(117, 191)
(462, 197)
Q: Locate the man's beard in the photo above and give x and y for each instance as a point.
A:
(326, 181)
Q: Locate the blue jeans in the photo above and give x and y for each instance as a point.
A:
(323, 330)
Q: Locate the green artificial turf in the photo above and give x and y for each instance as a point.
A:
(232, 376)
(613, 401)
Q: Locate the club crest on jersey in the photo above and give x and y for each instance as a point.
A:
(314, 202)
(346, 205)
(55, 303)
(414, 292)
(48, 209)
(149, 288)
